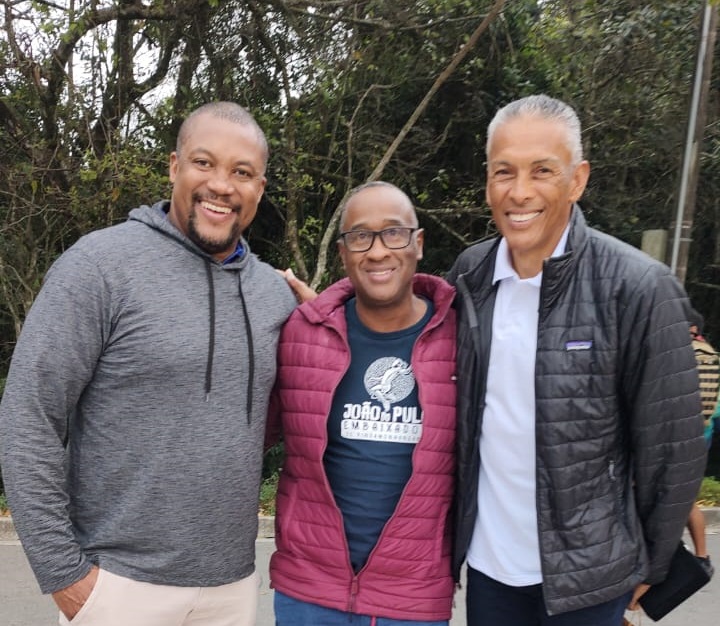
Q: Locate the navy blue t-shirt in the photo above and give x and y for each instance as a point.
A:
(374, 423)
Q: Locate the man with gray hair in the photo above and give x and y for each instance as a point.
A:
(580, 447)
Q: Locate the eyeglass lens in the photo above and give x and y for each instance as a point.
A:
(392, 238)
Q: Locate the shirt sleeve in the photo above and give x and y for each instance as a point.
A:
(662, 402)
(53, 361)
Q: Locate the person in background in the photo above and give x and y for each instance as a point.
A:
(365, 400)
(580, 447)
(713, 428)
(708, 364)
(133, 419)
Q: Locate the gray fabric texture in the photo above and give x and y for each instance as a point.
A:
(112, 450)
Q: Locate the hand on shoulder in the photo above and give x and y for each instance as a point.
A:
(303, 292)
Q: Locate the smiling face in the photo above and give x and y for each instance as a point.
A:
(382, 277)
(218, 180)
(532, 185)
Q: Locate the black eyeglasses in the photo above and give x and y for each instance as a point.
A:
(394, 238)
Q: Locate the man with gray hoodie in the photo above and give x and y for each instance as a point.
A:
(132, 423)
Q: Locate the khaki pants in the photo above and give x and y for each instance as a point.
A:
(118, 601)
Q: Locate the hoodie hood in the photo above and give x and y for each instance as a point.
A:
(156, 217)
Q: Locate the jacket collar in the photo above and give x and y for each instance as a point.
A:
(558, 270)
(331, 301)
(554, 268)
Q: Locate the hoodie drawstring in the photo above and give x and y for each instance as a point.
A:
(251, 349)
(211, 338)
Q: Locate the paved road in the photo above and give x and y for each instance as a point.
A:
(21, 603)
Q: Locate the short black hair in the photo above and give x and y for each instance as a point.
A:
(369, 185)
(230, 111)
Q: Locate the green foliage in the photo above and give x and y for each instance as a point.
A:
(272, 466)
(273, 460)
(109, 186)
(332, 85)
(709, 492)
(268, 490)
(626, 67)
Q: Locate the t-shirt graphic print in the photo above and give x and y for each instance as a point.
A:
(388, 381)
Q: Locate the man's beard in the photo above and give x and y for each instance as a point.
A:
(212, 246)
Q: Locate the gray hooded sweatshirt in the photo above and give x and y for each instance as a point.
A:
(132, 423)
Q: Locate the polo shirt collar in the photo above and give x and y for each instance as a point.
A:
(503, 262)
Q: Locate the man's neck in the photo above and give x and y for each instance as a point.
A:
(388, 319)
(531, 264)
(526, 267)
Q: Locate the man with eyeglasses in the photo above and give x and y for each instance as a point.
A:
(365, 400)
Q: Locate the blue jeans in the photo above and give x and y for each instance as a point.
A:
(292, 612)
(492, 603)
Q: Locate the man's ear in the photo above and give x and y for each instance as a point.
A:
(579, 180)
(261, 191)
(342, 251)
(420, 242)
(172, 170)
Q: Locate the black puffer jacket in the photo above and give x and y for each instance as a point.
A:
(620, 453)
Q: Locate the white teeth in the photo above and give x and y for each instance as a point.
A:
(217, 209)
(522, 217)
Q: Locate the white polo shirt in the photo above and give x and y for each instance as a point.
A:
(504, 544)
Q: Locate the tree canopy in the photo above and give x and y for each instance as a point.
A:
(92, 93)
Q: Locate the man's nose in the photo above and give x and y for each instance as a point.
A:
(378, 248)
(522, 188)
(220, 182)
